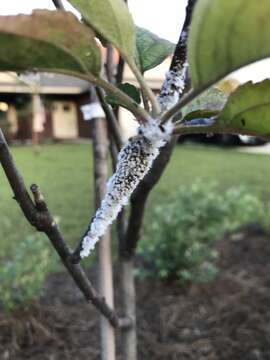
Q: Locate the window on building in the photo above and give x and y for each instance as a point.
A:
(66, 107)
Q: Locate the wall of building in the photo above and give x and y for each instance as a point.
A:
(64, 120)
(84, 126)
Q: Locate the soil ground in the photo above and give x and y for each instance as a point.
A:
(228, 319)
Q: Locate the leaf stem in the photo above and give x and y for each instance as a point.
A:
(143, 84)
(113, 124)
(215, 129)
(140, 114)
(197, 129)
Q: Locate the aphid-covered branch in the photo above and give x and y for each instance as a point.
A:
(136, 157)
(134, 161)
(176, 78)
(139, 198)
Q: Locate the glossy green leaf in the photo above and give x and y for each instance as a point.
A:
(151, 49)
(128, 89)
(226, 35)
(48, 41)
(111, 19)
(248, 109)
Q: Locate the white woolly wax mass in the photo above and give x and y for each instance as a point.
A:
(134, 161)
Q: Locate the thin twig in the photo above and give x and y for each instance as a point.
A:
(39, 216)
(120, 70)
(119, 79)
(109, 65)
(145, 87)
(111, 119)
(145, 101)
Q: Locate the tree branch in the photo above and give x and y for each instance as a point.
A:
(58, 4)
(177, 80)
(119, 78)
(111, 119)
(139, 198)
(120, 70)
(180, 53)
(109, 64)
(39, 216)
(138, 202)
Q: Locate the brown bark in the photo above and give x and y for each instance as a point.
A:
(129, 335)
(100, 153)
(112, 122)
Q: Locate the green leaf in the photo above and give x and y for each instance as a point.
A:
(112, 20)
(48, 41)
(212, 98)
(248, 109)
(151, 49)
(226, 35)
(128, 89)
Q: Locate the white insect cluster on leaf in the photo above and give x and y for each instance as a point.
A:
(134, 161)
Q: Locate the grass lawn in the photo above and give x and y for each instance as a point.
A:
(64, 174)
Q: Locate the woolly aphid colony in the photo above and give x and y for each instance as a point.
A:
(134, 161)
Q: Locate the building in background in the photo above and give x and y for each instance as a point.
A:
(52, 110)
(56, 106)
(59, 107)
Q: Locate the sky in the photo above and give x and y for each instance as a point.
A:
(142, 11)
(164, 18)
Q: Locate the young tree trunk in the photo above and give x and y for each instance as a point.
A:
(128, 291)
(38, 116)
(129, 335)
(100, 147)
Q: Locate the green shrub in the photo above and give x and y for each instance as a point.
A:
(23, 273)
(178, 241)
